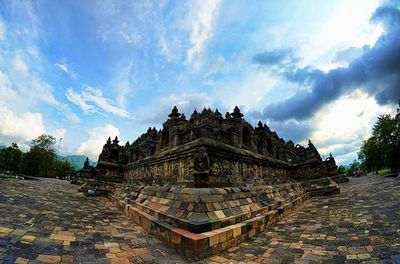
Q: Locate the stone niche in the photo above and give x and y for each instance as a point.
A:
(209, 182)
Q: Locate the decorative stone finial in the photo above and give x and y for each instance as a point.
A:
(116, 141)
(236, 113)
(86, 164)
(109, 141)
(227, 115)
(174, 113)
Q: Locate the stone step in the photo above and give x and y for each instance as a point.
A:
(199, 234)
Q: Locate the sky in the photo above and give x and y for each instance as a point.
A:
(86, 70)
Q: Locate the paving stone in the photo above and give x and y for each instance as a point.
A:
(21, 261)
(51, 220)
(396, 259)
(48, 258)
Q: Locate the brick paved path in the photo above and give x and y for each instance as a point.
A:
(47, 221)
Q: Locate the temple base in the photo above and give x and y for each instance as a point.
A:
(321, 187)
(200, 222)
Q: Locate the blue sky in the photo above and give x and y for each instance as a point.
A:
(86, 70)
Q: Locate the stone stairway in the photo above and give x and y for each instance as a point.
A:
(199, 222)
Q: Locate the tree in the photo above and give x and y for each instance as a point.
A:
(370, 155)
(63, 168)
(354, 166)
(382, 149)
(10, 158)
(40, 159)
(341, 169)
(45, 142)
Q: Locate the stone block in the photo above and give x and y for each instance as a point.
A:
(237, 231)
(175, 238)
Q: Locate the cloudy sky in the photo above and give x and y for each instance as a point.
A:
(86, 70)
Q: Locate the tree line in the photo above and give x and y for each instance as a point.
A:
(39, 161)
(382, 149)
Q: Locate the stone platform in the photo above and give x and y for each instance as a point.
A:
(200, 222)
(321, 187)
(50, 221)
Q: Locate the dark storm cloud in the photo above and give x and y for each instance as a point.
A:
(292, 130)
(348, 55)
(376, 70)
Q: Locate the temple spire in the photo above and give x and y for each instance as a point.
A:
(174, 113)
(236, 113)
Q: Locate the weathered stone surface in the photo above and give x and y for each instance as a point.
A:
(209, 150)
(204, 174)
(366, 211)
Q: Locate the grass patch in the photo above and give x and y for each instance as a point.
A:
(383, 172)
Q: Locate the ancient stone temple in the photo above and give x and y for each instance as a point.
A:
(209, 182)
(209, 150)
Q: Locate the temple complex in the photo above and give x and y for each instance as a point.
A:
(211, 150)
(207, 183)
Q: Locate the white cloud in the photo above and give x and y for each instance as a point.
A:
(7, 93)
(122, 82)
(248, 92)
(25, 126)
(201, 17)
(121, 23)
(59, 133)
(2, 30)
(158, 111)
(32, 90)
(41, 90)
(24, 85)
(71, 116)
(77, 99)
(341, 126)
(130, 38)
(21, 88)
(91, 97)
(20, 64)
(347, 26)
(63, 66)
(170, 47)
(96, 139)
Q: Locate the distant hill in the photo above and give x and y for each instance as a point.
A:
(76, 161)
(2, 147)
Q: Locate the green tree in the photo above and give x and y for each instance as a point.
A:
(40, 159)
(383, 148)
(10, 158)
(341, 169)
(63, 168)
(354, 166)
(370, 155)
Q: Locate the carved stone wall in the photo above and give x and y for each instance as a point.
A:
(209, 150)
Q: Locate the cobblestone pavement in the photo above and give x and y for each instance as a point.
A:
(47, 221)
